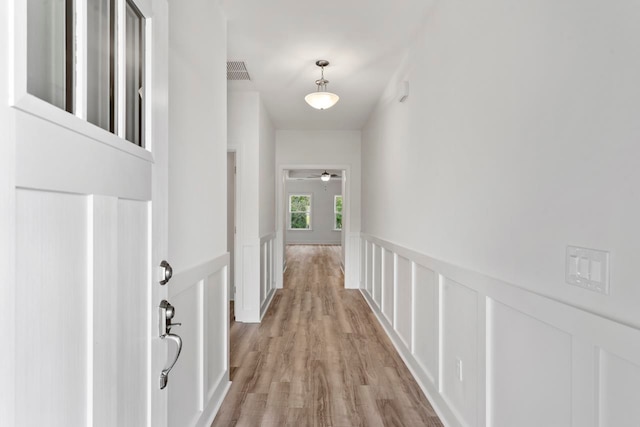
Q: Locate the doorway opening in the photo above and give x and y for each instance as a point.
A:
(313, 209)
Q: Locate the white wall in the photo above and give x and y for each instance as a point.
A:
(322, 215)
(266, 172)
(250, 128)
(197, 209)
(198, 134)
(519, 138)
(252, 135)
(243, 122)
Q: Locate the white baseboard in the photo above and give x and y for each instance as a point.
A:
(210, 412)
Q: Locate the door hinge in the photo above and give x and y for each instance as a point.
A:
(235, 169)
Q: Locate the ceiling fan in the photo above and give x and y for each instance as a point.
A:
(325, 176)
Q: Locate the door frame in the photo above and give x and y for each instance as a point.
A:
(349, 264)
(238, 236)
(232, 277)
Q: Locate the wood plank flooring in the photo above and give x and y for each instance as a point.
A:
(319, 358)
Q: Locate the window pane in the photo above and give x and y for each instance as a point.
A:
(300, 204)
(50, 51)
(338, 207)
(134, 111)
(339, 221)
(300, 220)
(101, 63)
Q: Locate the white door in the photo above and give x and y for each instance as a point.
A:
(90, 213)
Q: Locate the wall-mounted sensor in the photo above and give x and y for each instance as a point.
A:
(403, 91)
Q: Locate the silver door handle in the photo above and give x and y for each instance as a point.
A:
(166, 313)
(164, 375)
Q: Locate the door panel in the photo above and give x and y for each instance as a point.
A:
(133, 318)
(52, 337)
(105, 299)
(83, 328)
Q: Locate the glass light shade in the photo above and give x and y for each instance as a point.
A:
(321, 100)
(325, 176)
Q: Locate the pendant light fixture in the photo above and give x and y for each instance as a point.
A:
(326, 176)
(321, 99)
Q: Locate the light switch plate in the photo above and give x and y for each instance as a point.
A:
(588, 269)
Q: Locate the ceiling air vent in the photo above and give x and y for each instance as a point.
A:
(237, 70)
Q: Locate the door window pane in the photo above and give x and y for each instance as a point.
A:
(50, 51)
(134, 111)
(101, 63)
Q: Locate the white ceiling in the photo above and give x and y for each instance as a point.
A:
(280, 41)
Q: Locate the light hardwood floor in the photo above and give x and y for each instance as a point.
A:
(319, 358)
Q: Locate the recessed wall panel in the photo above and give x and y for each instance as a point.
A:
(377, 275)
(216, 318)
(388, 285)
(369, 268)
(529, 370)
(403, 306)
(425, 321)
(619, 391)
(185, 397)
(460, 351)
(363, 264)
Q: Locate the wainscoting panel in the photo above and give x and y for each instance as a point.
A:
(185, 392)
(425, 321)
(264, 266)
(368, 265)
(459, 363)
(215, 336)
(200, 378)
(377, 275)
(403, 308)
(267, 283)
(352, 261)
(529, 361)
(387, 284)
(247, 306)
(491, 354)
(619, 392)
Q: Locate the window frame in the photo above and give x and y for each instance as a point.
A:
(21, 99)
(335, 212)
(310, 195)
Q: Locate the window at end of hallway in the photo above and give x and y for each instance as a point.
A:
(300, 212)
(337, 212)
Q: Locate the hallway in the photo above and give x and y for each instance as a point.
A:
(319, 358)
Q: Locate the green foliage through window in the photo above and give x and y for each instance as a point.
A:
(300, 212)
(337, 210)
